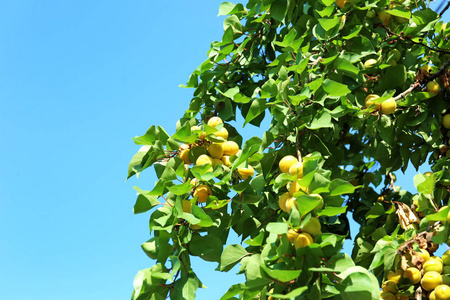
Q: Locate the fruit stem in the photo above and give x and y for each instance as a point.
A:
(418, 293)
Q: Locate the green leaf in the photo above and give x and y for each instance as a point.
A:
(340, 187)
(439, 216)
(256, 108)
(180, 189)
(231, 256)
(234, 23)
(307, 203)
(400, 12)
(335, 89)
(185, 287)
(277, 228)
(207, 247)
(353, 32)
(330, 211)
(328, 24)
(282, 275)
(228, 8)
(393, 77)
(278, 10)
(323, 120)
(358, 283)
(145, 203)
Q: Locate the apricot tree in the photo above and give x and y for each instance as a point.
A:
(355, 91)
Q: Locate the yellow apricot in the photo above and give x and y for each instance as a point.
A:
(214, 121)
(230, 148)
(369, 102)
(396, 275)
(291, 202)
(282, 201)
(215, 150)
(424, 254)
(216, 162)
(245, 172)
(388, 106)
(387, 296)
(184, 155)
(303, 240)
(292, 235)
(341, 3)
(432, 87)
(202, 191)
(426, 68)
(223, 133)
(442, 292)
(433, 265)
(430, 280)
(312, 227)
(389, 286)
(296, 170)
(413, 275)
(446, 121)
(286, 163)
(432, 296)
(226, 160)
(294, 187)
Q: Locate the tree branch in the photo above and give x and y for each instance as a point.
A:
(405, 38)
(445, 8)
(440, 71)
(406, 92)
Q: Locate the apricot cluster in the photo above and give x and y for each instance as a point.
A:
(311, 228)
(387, 107)
(212, 150)
(218, 153)
(431, 276)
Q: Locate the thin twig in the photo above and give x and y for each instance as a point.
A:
(440, 71)
(314, 63)
(419, 293)
(406, 92)
(405, 38)
(445, 8)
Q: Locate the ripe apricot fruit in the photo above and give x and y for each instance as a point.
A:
(292, 235)
(432, 87)
(388, 106)
(214, 121)
(396, 275)
(245, 172)
(215, 150)
(433, 265)
(303, 240)
(430, 280)
(442, 292)
(230, 148)
(446, 121)
(286, 163)
(296, 170)
(202, 191)
(223, 133)
(413, 275)
(282, 201)
(369, 102)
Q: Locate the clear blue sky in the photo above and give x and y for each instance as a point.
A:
(78, 79)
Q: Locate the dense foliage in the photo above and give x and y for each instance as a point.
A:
(354, 91)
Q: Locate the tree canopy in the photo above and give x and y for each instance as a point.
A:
(354, 91)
